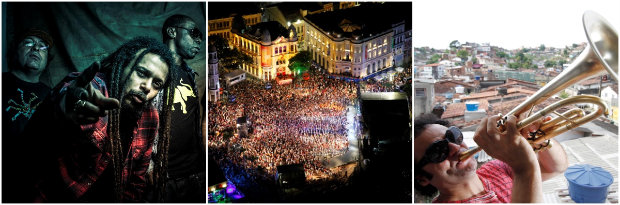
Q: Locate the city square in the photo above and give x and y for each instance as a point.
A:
(309, 99)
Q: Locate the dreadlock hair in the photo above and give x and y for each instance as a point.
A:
(114, 65)
(172, 21)
(420, 124)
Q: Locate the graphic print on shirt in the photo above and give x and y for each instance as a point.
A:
(25, 108)
(181, 93)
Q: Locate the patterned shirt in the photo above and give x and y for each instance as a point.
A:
(496, 176)
(78, 171)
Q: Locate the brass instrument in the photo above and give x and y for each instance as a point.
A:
(599, 57)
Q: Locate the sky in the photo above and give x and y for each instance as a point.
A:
(510, 24)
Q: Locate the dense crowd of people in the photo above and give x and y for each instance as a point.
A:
(385, 84)
(300, 123)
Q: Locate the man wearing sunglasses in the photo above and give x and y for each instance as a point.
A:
(185, 180)
(22, 92)
(516, 176)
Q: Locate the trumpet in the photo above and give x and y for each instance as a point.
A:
(599, 57)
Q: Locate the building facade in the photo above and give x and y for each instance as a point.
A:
(223, 26)
(213, 82)
(424, 96)
(343, 43)
(270, 45)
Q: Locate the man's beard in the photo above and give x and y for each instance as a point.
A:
(134, 112)
(462, 172)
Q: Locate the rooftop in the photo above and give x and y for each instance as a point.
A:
(458, 109)
(275, 30)
(371, 18)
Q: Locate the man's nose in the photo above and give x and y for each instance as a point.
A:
(146, 86)
(454, 148)
(198, 40)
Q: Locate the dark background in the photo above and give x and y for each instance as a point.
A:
(87, 32)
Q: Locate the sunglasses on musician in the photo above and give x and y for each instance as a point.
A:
(193, 32)
(440, 149)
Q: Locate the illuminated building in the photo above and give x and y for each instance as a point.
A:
(214, 83)
(222, 25)
(270, 45)
(358, 41)
(345, 38)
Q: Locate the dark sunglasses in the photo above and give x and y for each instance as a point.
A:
(194, 32)
(439, 150)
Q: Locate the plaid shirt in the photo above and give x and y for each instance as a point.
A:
(496, 177)
(78, 176)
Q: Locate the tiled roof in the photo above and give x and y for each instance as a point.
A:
(431, 65)
(458, 109)
(593, 80)
(447, 85)
(493, 93)
(503, 108)
(521, 82)
(480, 95)
(499, 86)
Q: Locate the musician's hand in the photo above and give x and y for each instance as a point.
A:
(506, 146)
(525, 132)
(82, 103)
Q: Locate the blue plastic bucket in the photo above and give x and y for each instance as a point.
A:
(587, 183)
(472, 106)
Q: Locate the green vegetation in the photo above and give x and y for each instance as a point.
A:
(300, 63)
(502, 54)
(522, 60)
(462, 54)
(434, 59)
(550, 63)
(455, 44)
(564, 94)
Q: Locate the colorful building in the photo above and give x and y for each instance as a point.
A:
(270, 45)
(354, 42)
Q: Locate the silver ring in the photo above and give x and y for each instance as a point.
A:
(80, 104)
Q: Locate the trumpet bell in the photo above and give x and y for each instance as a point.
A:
(599, 57)
(604, 41)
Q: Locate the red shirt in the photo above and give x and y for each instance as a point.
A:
(496, 176)
(77, 177)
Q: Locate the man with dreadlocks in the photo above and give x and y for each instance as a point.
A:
(185, 168)
(96, 130)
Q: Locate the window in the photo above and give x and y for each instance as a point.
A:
(275, 50)
(420, 92)
(284, 49)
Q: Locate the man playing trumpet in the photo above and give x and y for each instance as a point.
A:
(514, 177)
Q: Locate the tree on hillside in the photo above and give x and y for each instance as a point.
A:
(542, 47)
(455, 44)
(550, 63)
(434, 59)
(562, 62)
(474, 60)
(462, 54)
(501, 54)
